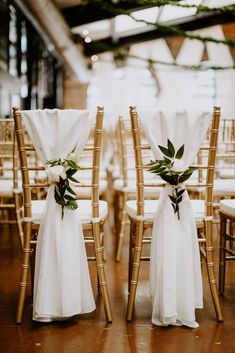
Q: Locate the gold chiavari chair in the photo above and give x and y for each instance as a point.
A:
(89, 210)
(10, 191)
(227, 238)
(125, 186)
(141, 212)
(225, 159)
(224, 180)
(224, 184)
(84, 191)
(122, 188)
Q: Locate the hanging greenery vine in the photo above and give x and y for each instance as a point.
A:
(159, 3)
(171, 30)
(123, 55)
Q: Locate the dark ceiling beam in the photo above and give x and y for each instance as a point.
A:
(82, 14)
(187, 24)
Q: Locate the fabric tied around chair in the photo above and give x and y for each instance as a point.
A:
(54, 173)
(62, 286)
(175, 271)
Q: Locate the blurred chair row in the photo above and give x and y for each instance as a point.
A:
(128, 178)
(10, 186)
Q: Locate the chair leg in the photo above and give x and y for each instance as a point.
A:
(121, 231)
(132, 240)
(135, 269)
(19, 218)
(211, 271)
(103, 256)
(101, 271)
(24, 273)
(116, 219)
(222, 254)
(232, 232)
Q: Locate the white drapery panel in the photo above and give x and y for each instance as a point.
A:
(175, 272)
(62, 285)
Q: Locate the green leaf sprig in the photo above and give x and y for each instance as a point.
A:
(64, 193)
(173, 172)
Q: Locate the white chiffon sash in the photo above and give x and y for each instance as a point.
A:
(175, 271)
(62, 286)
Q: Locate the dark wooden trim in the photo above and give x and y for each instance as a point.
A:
(82, 14)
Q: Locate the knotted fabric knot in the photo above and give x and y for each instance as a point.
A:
(54, 173)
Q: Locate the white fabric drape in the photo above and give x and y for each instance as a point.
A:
(62, 285)
(175, 272)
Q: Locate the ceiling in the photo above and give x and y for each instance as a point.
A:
(98, 27)
(78, 29)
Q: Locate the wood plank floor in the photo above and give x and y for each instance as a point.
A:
(91, 333)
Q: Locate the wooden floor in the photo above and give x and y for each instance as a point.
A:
(91, 333)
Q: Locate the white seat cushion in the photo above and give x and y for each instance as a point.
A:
(85, 192)
(150, 208)
(6, 188)
(84, 210)
(228, 207)
(86, 175)
(131, 187)
(198, 207)
(226, 173)
(221, 186)
(224, 186)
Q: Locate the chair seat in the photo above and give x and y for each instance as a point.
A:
(150, 208)
(226, 173)
(221, 186)
(85, 175)
(85, 191)
(228, 207)
(6, 187)
(224, 186)
(131, 187)
(84, 210)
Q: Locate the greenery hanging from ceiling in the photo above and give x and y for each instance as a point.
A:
(117, 8)
(121, 56)
(159, 3)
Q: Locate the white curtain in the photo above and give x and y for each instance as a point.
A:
(175, 272)
(62, 285)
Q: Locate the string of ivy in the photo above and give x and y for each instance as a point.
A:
(123, 55)
(185, 67)
(199, 8)
(171, 29)
(174, 30)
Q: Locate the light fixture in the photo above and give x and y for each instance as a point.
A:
(94, 58)
(87, 39)
(85, 32)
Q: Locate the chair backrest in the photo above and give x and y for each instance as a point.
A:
(225, 159)
(123, 142)
(29, 164)
(8, 155)
(125, 147)
(207, 163)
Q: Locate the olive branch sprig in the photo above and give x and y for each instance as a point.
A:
(63, 170)
(172, 170)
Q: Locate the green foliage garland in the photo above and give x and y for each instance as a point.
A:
(173, 172)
